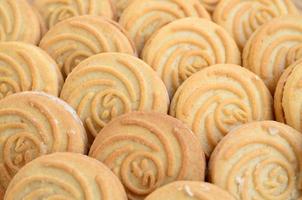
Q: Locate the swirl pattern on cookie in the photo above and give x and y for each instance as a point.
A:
(190, 190)
(33, 124)
(18, 22)
(24, 67)
(273, 47)
(110, 84)
(147, 150)
(65, 176)
(218, 99)
(260, 160)
(242, 17)
(75, 39)
(121, 5)
(54, 11)
(184, 47)
(143, 18)
(288, 96)
(210, 5)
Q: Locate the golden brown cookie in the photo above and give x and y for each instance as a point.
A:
(54, 11)
(65, 176)
(210, 5)
(288, 96)
(33, 124)
(185, 46)
(190, 190)
(147, 150)
(25, 67)
(218, 99)
(273, 47)
(121, 5)
(260, 160)
(18, 22)
(143, 18)
(110, 84)
(242, 17)
(73, 40)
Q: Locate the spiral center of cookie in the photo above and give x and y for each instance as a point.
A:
(60, 14)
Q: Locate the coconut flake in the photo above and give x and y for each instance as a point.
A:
(188, 191)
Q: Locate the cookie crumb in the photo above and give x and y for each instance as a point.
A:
(188, 191)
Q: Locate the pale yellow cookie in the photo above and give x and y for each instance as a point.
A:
(147, 150)
(210, 5)
(218, 99)
(121, 5)
(260, 160)
(273, 47)
(65, 176)
(143, 18)
(110, 84)
(33, 124)
(54, 11)
(185, 46)
(18, 22)
(25, 67)
(189, 190)
(73, 40)
(242, 17)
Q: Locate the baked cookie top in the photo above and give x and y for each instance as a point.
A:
(147, 150)
(185, 46)
(143, 18)
(110, 84)
(260, 160)
(65, 176)
(218, 99)
(73, 40)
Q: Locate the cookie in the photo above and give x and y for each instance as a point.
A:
(260, 160)
(33, 124)
(186, 190)
(121, 5)
(184, 47)
(273, 47)
(18, 22)
(110, 84)
(147, 150)
(65, 176)
(143, 18)
(54, 11)
(210, 5)
(288, 96)
(73, 40)
(25, 67)
(218, 99)
(242, 17)
(298, 3)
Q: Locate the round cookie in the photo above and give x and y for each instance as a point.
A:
(184, 47)
(25, 67)
(210, 5)
(242, 17)
(273, 47)
(143, 18)
(54, 11)
(147, 150)
(33, 124)
(189, 190)
(218, 99)
(73, 40)
(65, 176)
(121, 5)
(260, 160)
(288, 96)
(18, 22)
(110, 84)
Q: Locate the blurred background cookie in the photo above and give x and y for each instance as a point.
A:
(121, 5)
(65, 176)
(18, 22)
(260, 160)
(25, 67)
(148, 150)
(218, 99)
(185, 46)
(298, 3)
(33, 124)
(75, 39)
(110, 84)
(143, 18)
(273, 47)
(242, 17)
